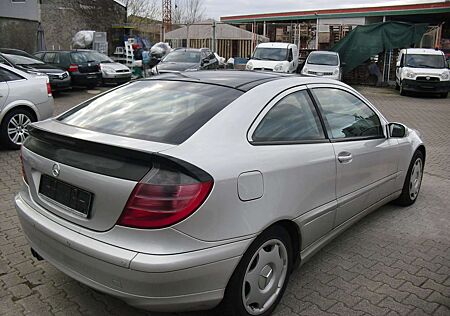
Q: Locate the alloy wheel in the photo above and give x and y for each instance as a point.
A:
(17, 128)
(265, 277)
(415, 179)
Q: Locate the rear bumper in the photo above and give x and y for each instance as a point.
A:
(84, 79)
(426, 86)
(116, 78)
(180, 282)
(57, 84)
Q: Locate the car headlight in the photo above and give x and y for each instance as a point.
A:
(192, 69)
(249, 66)
(445, 75)
(410, 74)
(278, 67)
(304, 70)
(109, 71)
(336, 71)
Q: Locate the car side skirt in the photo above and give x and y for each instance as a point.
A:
(308, 252)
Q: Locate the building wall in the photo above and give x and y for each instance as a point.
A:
(62, 19)
(18, 24)
(19, 34)
(27, 10)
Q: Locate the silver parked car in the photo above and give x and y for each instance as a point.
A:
(195, 190)
(24, 98)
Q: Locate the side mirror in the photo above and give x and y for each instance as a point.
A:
(343, 64)
(397, 130)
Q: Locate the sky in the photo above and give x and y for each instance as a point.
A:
(217, 8)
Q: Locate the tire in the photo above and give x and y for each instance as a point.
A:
(402, 91)
(276, 264)
(16, 122)
(444, 95)
(91, 86)
(411, 189)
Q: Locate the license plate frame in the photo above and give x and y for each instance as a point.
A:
(65, 195)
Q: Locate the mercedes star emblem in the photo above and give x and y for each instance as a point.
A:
(56, 170)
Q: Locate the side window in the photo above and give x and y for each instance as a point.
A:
(346, 116)
(49, 57)
(39, 55)
(6, 75)
(56, 59)
(293, 118)
(290, 55)
(3, 61)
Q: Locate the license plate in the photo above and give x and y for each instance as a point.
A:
(91, 77)
(320, 73)
(71, 197)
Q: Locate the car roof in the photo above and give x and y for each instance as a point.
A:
(275, 45)
(325, 52)
(424, 51)
(190, 49)
(238, 79)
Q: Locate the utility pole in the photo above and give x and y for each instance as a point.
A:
(214, 36)
(166, 17)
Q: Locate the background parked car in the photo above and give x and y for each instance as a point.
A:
(323, 64)
(24, 98)
(187, 59)
(84, 71)
(112, 72)
(59, 79)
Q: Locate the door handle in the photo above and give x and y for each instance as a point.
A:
(345, 157)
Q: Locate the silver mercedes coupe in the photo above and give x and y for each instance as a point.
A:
(197, 190)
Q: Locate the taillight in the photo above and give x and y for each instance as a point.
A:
(72, 68)
(24, 175)
(49, 89)
(163, 198)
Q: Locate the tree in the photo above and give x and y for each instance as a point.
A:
(145, 9)
(188, 12)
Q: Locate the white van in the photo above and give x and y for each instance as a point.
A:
(422, 70)
(323, 64)
(278, 57)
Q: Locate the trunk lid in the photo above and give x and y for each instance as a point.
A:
(86, 179)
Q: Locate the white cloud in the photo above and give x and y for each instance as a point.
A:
(216, 9)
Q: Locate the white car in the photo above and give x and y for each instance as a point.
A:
(277, 57)
(24, 98)
(422, 70)
(323, 64)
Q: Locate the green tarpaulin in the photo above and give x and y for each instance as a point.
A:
(368, 40)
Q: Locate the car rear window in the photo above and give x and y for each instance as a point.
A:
(156, 110)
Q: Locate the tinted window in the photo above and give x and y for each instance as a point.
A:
(49, 57)
(39, 55)
(6, 75)
(182, 56)
(425, 61)
(292, 119)
(266, 53)
(156, 110)
(22, 60)
(346, 115)
(323, 59)
(81, 57)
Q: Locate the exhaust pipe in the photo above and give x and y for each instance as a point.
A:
(36, 255)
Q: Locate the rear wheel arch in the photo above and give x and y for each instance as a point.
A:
(20, 107)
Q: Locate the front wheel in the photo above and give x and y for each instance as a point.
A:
(261, 277)
(444, 95)
(14, 128)
(402, 91)
(413, 181)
